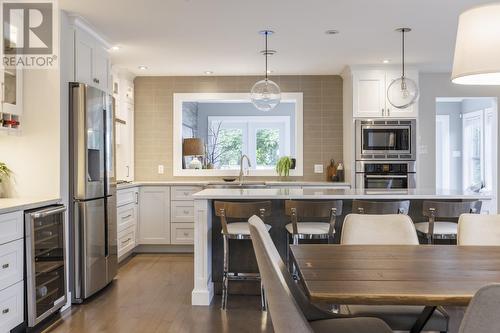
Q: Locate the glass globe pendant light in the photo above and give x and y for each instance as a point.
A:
(266, 94)
(402, 92)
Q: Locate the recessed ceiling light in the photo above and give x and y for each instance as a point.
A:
(115, 48)
(208, 72)
(143, 68)
(332, 32)
(386, 61)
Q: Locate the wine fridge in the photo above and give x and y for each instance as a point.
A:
(45, 262)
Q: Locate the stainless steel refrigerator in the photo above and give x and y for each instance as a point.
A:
(92, 215)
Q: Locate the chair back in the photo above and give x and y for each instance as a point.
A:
(476, 229)
(285, 312)
(393, 229)
(241, 210)
(380, 207)
(308, 209)
(443, 209)
(483, 311)
(310, 311)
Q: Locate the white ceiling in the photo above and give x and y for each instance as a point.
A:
(189, 37)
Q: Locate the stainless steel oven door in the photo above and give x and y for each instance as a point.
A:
(368, 181)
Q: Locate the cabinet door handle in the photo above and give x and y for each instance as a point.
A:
(126, 217)
(3, 92)
(388, 112)
(186, 212)
(4, 311)
(136, 198)
(5, 266)
(186, 194)
(126, 241)
(96, 80)
(383, 112)
(186, 234)
(128, 171)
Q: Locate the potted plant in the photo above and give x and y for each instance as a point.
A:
(284, 165)
(4, 173)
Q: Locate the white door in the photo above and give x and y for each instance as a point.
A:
(393, 112)
(369, 94)
(83, 57)
(154, 212)
(100, 68)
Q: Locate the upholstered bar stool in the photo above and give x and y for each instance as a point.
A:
(380, 207)
(476, 229)
(433, 229)
(239, 230)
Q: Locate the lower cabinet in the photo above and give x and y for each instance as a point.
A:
(127, 221)
(11, 306)
(154, 215)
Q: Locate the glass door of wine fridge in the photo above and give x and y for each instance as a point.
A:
(45, 262)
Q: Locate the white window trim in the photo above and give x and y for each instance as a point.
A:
(443, 152)
(465, 147)
(179, 98)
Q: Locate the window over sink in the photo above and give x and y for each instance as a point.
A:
(213, 131)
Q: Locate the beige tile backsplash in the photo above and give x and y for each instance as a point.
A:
(154, 108)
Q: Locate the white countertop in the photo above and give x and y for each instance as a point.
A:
(8, 205)
(328, 193)
(270, 183)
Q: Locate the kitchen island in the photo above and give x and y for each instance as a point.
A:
(208, 239)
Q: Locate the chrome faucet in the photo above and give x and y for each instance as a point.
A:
(242, 174)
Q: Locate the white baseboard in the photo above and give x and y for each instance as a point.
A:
(203, 297)
(146, 248)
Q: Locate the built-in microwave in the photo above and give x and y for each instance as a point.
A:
(393, 139)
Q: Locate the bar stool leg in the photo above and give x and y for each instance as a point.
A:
(263, 298)
(225, 278)
(294, 269)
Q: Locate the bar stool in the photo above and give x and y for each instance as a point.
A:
(297, 210)
(438, 209)
(239, 231)
(380, 207)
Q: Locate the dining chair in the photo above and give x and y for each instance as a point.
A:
(482, 314)
(239, 231)
(476, 229)
(286, 313)
(392, 229)
(433, 229)
(380, 207)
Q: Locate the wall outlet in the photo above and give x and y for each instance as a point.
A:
(161, 169)
(318, 168)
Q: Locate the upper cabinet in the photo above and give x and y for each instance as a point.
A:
(11, 81)
(369, 94)
(92, 61)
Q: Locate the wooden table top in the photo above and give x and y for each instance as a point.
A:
(394, 274)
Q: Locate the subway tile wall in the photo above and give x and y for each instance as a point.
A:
(154, 116)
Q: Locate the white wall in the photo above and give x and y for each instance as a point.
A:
(432, 86)
(34, 155)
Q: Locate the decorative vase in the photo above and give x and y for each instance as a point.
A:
(195, 164)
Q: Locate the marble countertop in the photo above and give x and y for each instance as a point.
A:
(329, 193)
(8, 205)
(203, 183)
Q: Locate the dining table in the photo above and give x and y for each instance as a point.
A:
(427, 275)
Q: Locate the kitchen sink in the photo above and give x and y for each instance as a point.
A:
(236, 185)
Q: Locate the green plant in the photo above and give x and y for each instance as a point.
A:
(4, 171)
(283, 166)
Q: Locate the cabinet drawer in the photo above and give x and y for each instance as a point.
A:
(182, 233)
(183, 192)
(126, 216)
(11, 263)
(11, 227)
(11, 307)
(126, 196)
(182, 211)
(126, 240)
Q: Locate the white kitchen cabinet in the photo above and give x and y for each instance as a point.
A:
(154, 215)
(11, 81)
(92, 61)
(127, 203)
(369, 94)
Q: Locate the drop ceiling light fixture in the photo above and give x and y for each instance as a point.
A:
(266, 94)
(143, 68)
(402, 92)
(477, 51)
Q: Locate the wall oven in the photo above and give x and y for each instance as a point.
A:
(45, 262)
(386, 175)
(393, 139)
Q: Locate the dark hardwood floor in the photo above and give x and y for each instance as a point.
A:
(152, 293)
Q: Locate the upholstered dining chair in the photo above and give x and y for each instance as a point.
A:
(483, 311)
(476, 229)
(393, 229)
(286, 313)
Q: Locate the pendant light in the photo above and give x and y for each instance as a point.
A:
(402, 92)
(266, 94)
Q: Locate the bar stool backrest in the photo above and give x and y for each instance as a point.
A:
(308, 209)
(447, 209)
(380, 207)
(241, 210)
